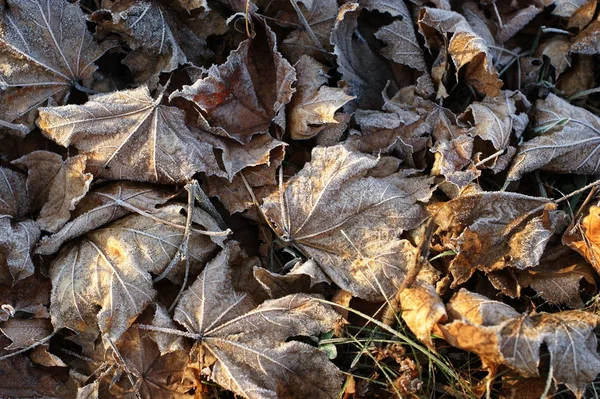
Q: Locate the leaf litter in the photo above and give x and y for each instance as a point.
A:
(299, 199)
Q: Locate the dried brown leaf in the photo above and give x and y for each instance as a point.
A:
(242, 96)
(470, 52)
(248, 343)
(584, 237)
(55, 186)
(104, 205)
(260, 150)
(350, 223)
(559, 278)
(586, 42)
(129, 135)
(320, 18)
(314, 104)
(45, 49)
(422, 311)
(18, 235)
(567, 142)
(159, 42)
(301, 278)
(155, 376)
(360, 66)
(492, 231)
(102, 281)
(502, 336)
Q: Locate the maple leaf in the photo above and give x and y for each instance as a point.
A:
(470, 53)
(103, 281)
(491, 231)
(249, 345)
(314, 104)
(560, 277)
(55, 186)
(136, 368)
(401, 41)
(243, 96)
(30, 296)
(335, 213)
(159, 44)
(128, 134)
(103, 205)
(501, 335)
(567, 142)
(45, 50)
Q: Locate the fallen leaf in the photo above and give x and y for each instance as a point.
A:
(249, 345)
(103, 205)
(501, 335)
(252, 87)
(559, 278)
(584, 237)
(365, 71)
(566, 142)
(18, 235)
(261, 150)
(566, 8)
(128, 134)
(314, 104)
(556, 48)
(45, 50)
(25, 332)
(586, 42)
(301, 278)
(401, 41)
(235, 196)
(102, 282)
(155, 376)
(158, 42)
(337, 215)
(320, 18)
(470, 53)
(491, 231)
(55, 186)
(422, 311)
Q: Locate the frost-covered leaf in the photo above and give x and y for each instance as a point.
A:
(470, 52)
(55, 185)
(502, 336)
(45, 49)
(242, 96)
(301, 278)
(349, 222)
(129, 135)
(314, 104)
(159, 42)
(568, 141)
(103, 281)
(365, 71)
(249, 345)
(18, 235)
(103, 205)
(492, 231)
